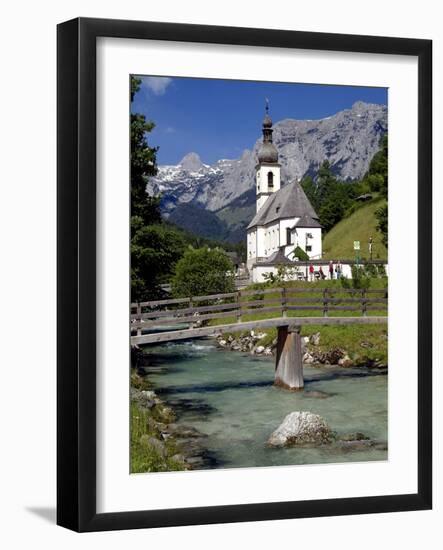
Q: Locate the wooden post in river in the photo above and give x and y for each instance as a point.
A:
(288, 363)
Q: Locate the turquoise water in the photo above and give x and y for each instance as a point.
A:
(230, 397)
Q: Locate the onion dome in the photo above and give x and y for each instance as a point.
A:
(267, 151)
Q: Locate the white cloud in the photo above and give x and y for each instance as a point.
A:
(170, 130)
(157, 84)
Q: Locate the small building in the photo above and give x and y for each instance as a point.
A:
(284, 219)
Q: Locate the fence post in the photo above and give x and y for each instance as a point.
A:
(283, 302)
(325, 302)
(363, 302)
(191, 324)
(238, 307)
(139, 318)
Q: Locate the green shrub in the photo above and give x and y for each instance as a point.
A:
(203, 271)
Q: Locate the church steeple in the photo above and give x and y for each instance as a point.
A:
(267, 152)
(268, 168)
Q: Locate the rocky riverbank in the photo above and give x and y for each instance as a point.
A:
(158, 443)
(260, 344)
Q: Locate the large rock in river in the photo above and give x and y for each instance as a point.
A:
(301, 428)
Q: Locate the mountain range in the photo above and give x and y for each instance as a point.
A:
(218, 200)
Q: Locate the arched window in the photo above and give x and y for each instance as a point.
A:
(270, 179)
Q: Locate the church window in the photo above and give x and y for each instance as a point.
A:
(288, 235)
(270, 179)
(308, 248)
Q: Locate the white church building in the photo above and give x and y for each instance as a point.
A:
(285, 219)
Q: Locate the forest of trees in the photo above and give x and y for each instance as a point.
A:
(333, 199)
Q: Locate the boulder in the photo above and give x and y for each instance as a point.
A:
(268, 351)
(332, 356)
(345, 361)
(307, 358)
(145, 399)
(259, 349)
(315, 339)
(223, 343)
(153, 444)
(301, 428)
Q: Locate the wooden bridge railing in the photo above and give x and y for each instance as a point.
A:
(237, 305)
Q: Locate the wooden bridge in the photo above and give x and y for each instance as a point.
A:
(286, 308)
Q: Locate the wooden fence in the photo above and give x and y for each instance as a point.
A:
(263, 302)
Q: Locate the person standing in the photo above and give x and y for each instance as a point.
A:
(322, 275)
(338, 269)
(331, 270)
(311, 272)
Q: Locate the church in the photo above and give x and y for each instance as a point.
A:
(284, 219)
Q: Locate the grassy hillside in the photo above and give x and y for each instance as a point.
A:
(359, 226)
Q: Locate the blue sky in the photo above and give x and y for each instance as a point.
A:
(220, 118)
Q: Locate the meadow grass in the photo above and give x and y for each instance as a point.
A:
(359, 226)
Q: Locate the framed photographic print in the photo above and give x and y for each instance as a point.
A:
(244, 274)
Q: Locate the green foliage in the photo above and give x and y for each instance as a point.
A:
(329, 197)
(359, 279)
(135, 86)
(284, 273)
(382, 226)
(310, 188)
(146, 242)
(155, 249)
(203, 271)
(375, 182)
(146, 457)
(377, 179)
(363, 275)
(143, 165)
(377, 174)
(300, 254)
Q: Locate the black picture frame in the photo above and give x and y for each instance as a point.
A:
(76, 265)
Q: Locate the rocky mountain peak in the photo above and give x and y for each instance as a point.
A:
(191, 163)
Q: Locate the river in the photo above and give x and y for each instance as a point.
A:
(230, 397)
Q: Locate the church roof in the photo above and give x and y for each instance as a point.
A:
(278, 257)
(307, 221)
(288, 202)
